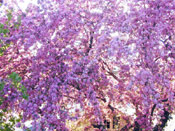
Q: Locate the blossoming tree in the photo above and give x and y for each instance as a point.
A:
(102, 55)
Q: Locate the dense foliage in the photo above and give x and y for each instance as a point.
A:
(65, 60)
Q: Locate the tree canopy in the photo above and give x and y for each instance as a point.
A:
(64, 60)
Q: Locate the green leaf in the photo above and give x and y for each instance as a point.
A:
(16, 81)
(24, 92)
(17, 26)
(15, 77)
(18, 120)
(12, 76)
(7, 22)
(4, 110)
(1, 26)
(1, 102)
(25, 96)
(19, 19)
(1, 114)
(9, 16)
(1, 30)
(12, 119)
(5, 31)
(28, 129)
(2, 86)
(23, 89)
(1, 52)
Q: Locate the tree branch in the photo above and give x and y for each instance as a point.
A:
(110, 72)
(164, 119)
(90, 43)
(153, 109)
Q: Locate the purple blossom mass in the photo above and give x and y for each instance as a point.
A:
(67, 60)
